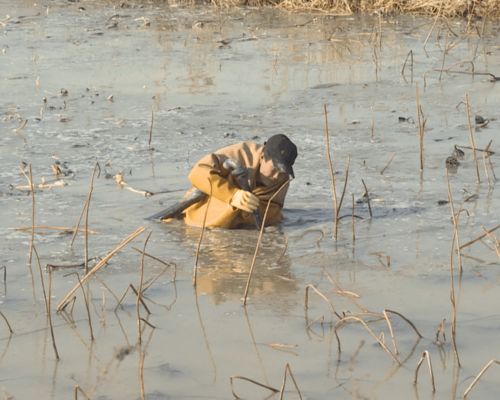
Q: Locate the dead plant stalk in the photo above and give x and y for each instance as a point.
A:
(259, 239)
(471, 137)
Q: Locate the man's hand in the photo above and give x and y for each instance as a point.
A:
(245, 201)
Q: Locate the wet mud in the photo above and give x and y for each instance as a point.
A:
(145, 91)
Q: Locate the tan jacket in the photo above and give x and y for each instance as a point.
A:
(209, 176)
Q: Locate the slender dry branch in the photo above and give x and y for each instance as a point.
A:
(367, 198)
(479, 237)
(282, 391)
(151, 128)
(372, 334)
(139, 294)
(47, 302)
(410, 56)
(421, 129)
(99, 265)
(7, 322)
(388, 163)
(259, 239)
(197, 258)
(476, 379)
(86, 300)
(318, 292)
(79, 389)
(32, 190)
(406, 320)
(425, 355)
(89, 197)
(471, 136)
(332, 175)
(232, 378)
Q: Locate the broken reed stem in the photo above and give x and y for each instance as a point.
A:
(372, 334)
(496, 243)
(410, 56)
(476, 379)
(454, 218)
(406, 320)
(197, 257)
(231, 382)
(32, 189)
(136, 292)
(317, 291)
(332, 175)
(421, 129)
(79, 389)
(346, 174)
(487, 157)
(455, 241)
(388, 163)
(391, 331)
(352, 218)
(425, 355)
(259, 239)
(139, 294)
(282, 391)
(471, 137)
(89, 197)
(167, 265)
(479, 237)
(85, 207)
(367, 198)
(99, 265)
(47, 302)
(86, 300)
(7, 322)
(151, 128)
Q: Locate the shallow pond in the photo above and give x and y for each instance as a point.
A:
(145, 91)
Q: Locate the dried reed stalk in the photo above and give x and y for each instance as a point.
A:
(495, 241)
(282, 391)
(352, 219)
(85, 299)
(388, 163)
(367, 198)
(166, 264)
(197, 257)
(410, 56)
(471, 136)
(455, 242)
(79, 389)
(479, 237)
(136, 292)
(32, 190)
(372, 334)
(259, 239)
(476, 379)
(151, 128)
(47, 302)
(231, 382)
(412, 325)
(99, 265)
(139, 294)
(427, 356)
(54, 228)
(89, 197)
(421, 129)
(317, 291)
(332, 175)
(7, 322)
(85, 208)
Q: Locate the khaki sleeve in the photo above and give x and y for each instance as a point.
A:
(209, 176)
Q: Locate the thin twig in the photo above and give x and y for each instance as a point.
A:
(332, 175)
(89, 197)
(425, 355)
(47, 302)
(197, 257)
(388, 163)
(99, 265)
(471, 136)
(479, 237)
(85, 298)
(32, 189)
(259, 239)
(476, 379)
(367, 198)
(317, 291)
(7, 322)
(139, 294)
(282, 391)
(232, 378)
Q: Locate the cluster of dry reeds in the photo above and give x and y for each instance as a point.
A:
(446, 8)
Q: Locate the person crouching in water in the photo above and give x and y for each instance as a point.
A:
(237, 181)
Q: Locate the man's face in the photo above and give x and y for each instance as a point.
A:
(269, 174)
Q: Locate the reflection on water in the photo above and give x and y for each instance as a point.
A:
(194, 80)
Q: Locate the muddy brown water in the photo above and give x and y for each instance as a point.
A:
(87, 75)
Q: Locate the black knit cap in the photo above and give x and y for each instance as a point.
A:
(282, 151)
